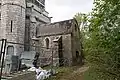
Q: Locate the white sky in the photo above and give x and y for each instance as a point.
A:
(66, 9)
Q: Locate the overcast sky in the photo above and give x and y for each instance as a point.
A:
(66, 9)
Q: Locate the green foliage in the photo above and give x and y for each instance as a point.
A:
(102, 47)
(83, 21)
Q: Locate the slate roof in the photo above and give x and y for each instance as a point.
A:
(57, 28)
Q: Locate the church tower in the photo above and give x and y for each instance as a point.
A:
(13, 24)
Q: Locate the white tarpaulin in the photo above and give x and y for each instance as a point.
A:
(40, 73)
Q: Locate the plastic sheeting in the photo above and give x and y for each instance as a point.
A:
(40, 73)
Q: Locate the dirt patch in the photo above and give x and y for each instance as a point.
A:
(70, 73)
(77, 74)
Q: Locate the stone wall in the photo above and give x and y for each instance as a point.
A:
(76, 45)
(27, 32)
(13, 23)
(66, 47)
(34, 16)
(71, 44)
(57, 28)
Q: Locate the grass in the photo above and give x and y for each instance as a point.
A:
(91, 75)
(67, 73)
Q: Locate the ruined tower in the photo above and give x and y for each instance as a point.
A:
(13, 24)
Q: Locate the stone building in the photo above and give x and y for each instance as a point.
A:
(18, 20)
(18, 23)
(25, 23)
(63, 38)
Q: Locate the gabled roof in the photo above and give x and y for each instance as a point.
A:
(56, 28)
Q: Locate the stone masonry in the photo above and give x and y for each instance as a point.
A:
(26, 26)
(18, 21)
(13, 22)
(63, 38)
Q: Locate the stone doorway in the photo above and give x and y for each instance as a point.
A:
(58, 55)
(60, 52)
(10, 50)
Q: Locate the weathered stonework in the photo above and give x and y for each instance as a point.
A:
(18, 21)
(64, 41)
(13, 22)
(26, 24)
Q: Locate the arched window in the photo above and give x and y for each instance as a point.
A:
(47, 43)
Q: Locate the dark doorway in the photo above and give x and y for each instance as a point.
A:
(78, 57)
(10, 50)
(60, 50)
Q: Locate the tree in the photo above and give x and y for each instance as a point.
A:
(104, 40)
(102, 44)
(82, 20)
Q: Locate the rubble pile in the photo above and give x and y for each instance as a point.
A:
(40, 73)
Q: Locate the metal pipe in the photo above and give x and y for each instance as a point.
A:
(3, 47)
(3, 56)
